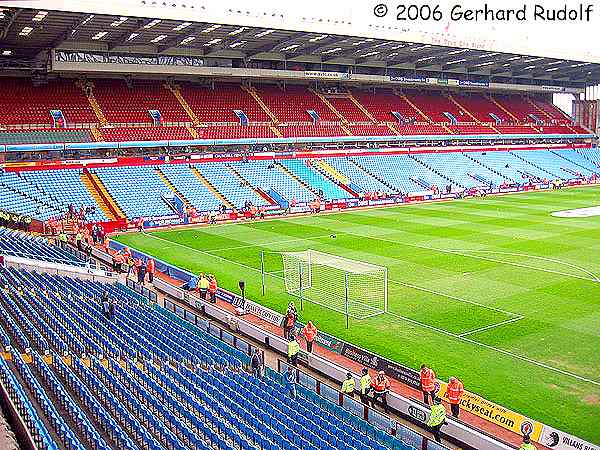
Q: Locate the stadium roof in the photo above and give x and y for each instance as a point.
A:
(27, 34)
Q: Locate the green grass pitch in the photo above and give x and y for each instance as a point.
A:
(496, 291)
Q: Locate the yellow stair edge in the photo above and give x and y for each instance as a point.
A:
(261, 103)
(176, 91)
(497, 103)
(463, 109)
(104, 191)
(211, 188)
(193, 132)
(332, 108)
(392, 128)
(171, 186)
(96, 196)
(332, 171)
(415, 107)
(360, 106)
(276, 130)
(97, 134)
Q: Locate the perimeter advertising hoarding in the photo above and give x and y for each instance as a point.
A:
(556, 439)
(496, 414)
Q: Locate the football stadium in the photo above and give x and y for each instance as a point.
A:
(256, 226)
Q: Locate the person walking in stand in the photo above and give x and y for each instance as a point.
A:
(365, 386)
(527, 445)
(427, 383)
(289, 322)
(381, 386)
(310, 333)
(349, 385)
(203, 285)
(151, 269)
(212, 288)
(290, 381)
(293, 351)
(256, 363)
(437, 418)
(454, 391)
(141, 270)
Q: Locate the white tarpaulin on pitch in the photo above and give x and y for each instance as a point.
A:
(581, 212)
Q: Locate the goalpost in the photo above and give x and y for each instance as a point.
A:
(354, 288)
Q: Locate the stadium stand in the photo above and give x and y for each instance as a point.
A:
(44, 136)
(186, 391)
(146, 134)
(17, 243)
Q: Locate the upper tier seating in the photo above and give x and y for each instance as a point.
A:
(480, 106)
(519, 107)
(235, 132)
(185, 391)
(291, 104)
(421, 129)
(434, 105)
(515, 129)
(471, 129)
(46, 136)
(371, 130)
(137, 190)
(146, 134)
(17, 243)
(66, 186)
(348, 109)
(122, 104)
(23, 103)
(381, 104)
(312, 131)
(218, 104)
(552, 111)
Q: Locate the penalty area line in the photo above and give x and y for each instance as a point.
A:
(489, 327)
(415, 322)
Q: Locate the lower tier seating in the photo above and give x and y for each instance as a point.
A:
(144, 378)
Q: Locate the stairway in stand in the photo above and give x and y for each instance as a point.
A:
(98, 191)
(88, 89)
(245, 182)
(212, 188)
(172, 187)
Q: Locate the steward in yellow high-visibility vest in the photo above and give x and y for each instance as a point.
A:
(365, 386)
(349, 385)
(437, 418)
(293, 350)
(527, 445)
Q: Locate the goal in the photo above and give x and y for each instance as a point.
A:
(351, 287)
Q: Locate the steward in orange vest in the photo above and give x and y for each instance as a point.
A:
(454, 392)
(212, 289)
(381, 386)
(151, 269)
(310, 333)
(427, 383)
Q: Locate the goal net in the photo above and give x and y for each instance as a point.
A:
(351, 287)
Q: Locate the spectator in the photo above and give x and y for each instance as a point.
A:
(349, 385)
(256, 363)
(427, 383)
(454, 391)
(141, 270)
(310, 333)
(212, 288)
(437, 418)
(365, 386)
(293, 351)
(111, 309)
(150, 269)
(78, 240)
(130, 265)
(290, 381)
(381, 386)
(203, 285)
(106, 306)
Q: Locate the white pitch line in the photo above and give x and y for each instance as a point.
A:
(267, 244)
(441, 294)
(430, 327)
(466, 255)
(504, 352)
(514, 319)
